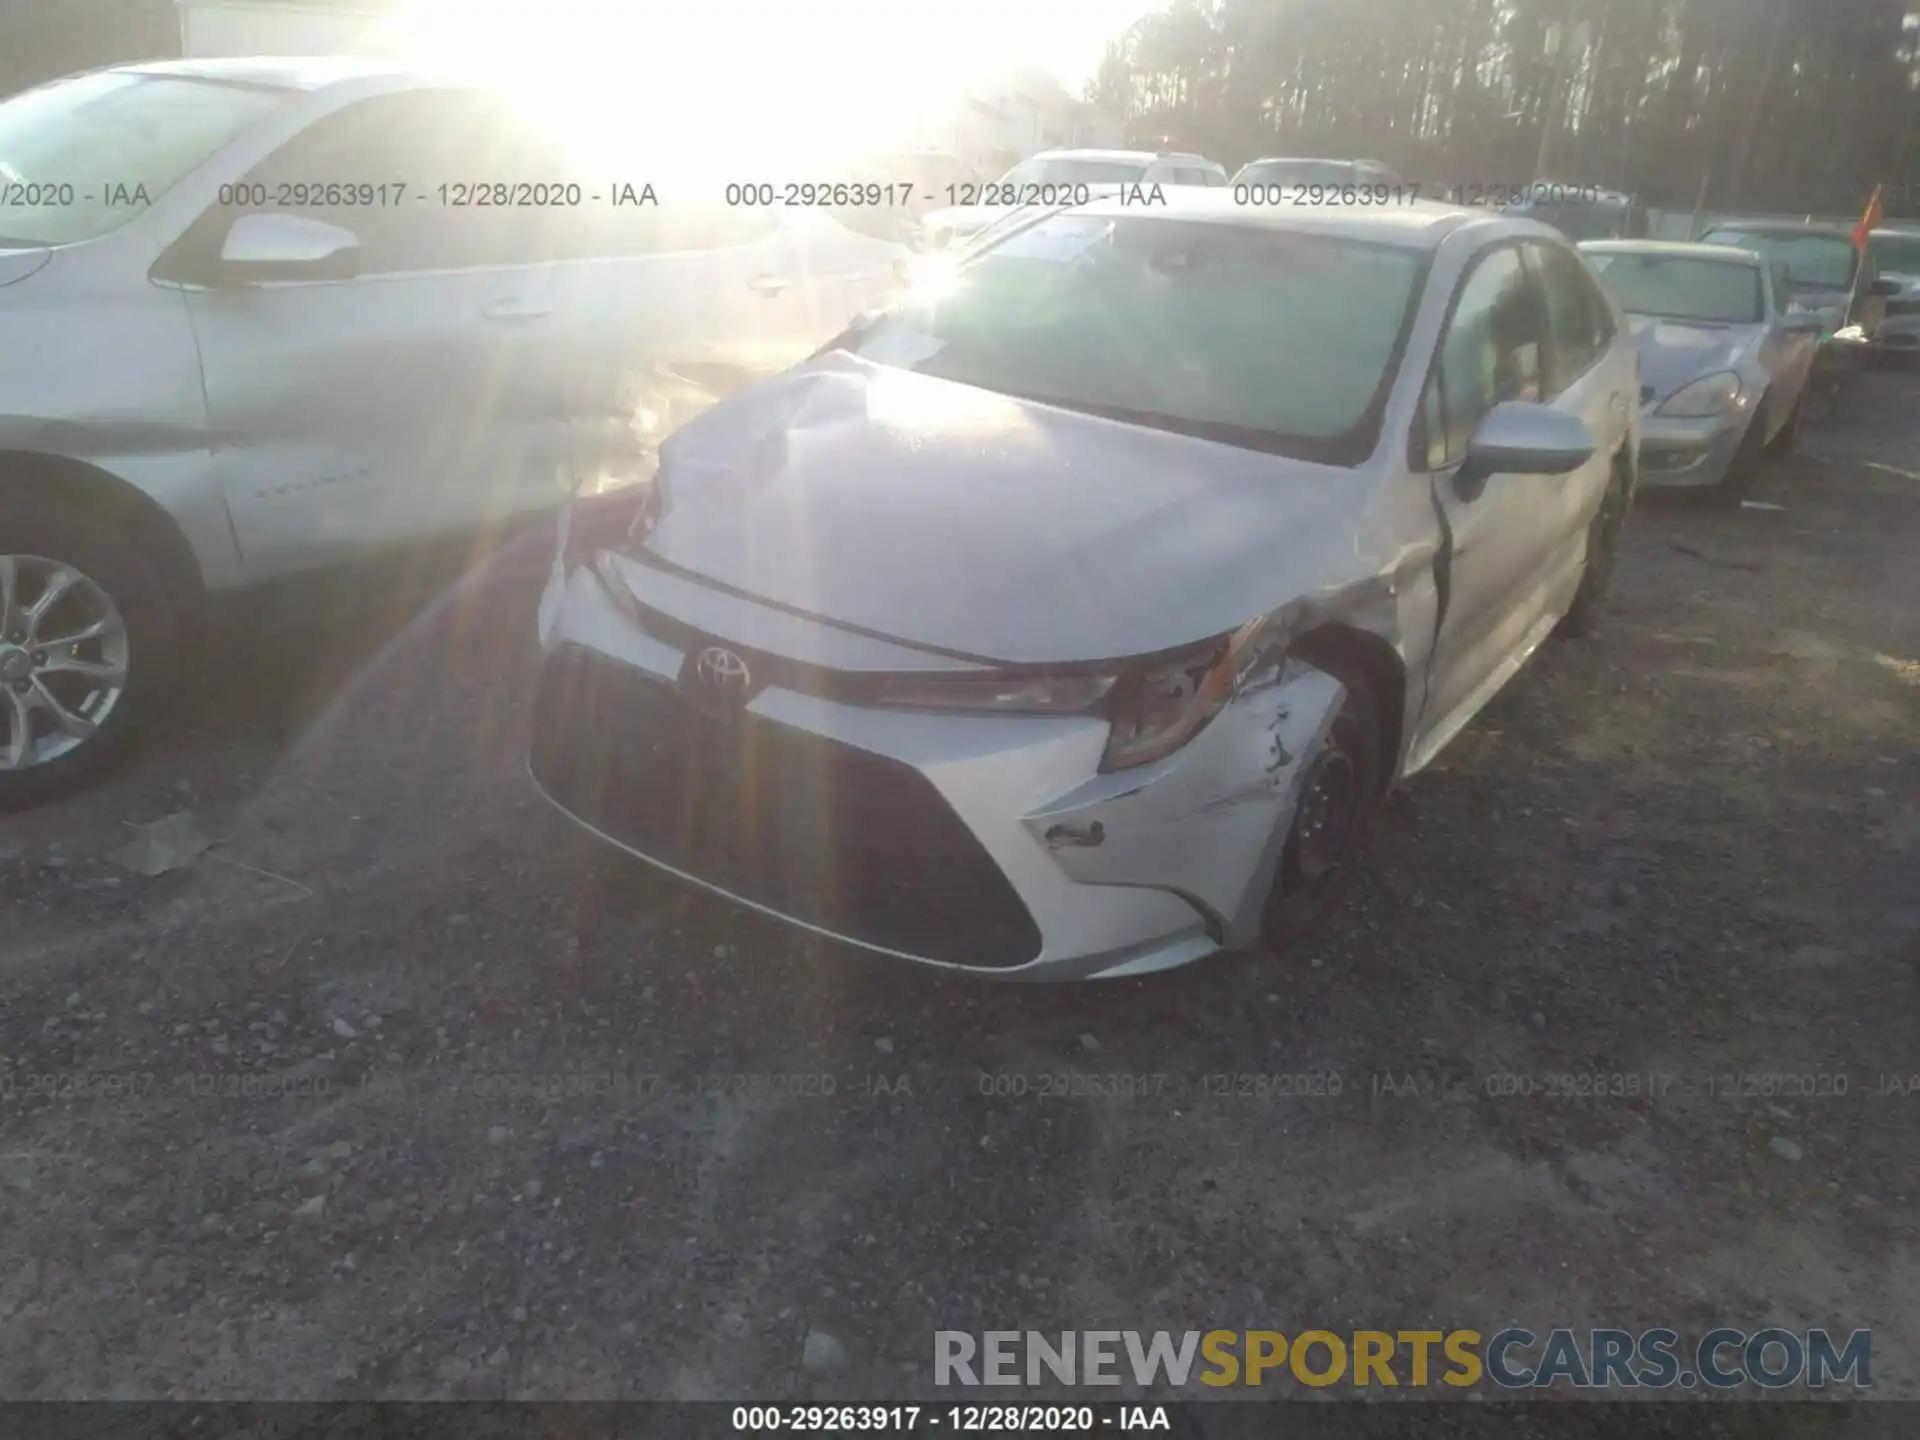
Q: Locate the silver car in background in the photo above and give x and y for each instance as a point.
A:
(1071, 620)
(258, 316)
(1896, 254)
(1059, 177)
(1723, 359)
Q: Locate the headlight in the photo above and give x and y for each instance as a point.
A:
(1155, 708)
(1159, 709)
(1004, 695)
(1707, 396)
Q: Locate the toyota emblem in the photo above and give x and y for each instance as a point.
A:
(723, 672)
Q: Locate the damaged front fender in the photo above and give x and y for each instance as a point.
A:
(1209, 822)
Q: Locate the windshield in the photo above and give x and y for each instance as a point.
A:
(1812, 262)
(1044, 171)
(81, 157)
(1297, 172)
(1256, 337)
(1681, 288)
(1896, 254)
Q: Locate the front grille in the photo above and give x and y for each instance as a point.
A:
(1903, 307)
(819, 831)
(1668, 457)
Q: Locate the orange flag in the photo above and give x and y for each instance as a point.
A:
(1868, 221)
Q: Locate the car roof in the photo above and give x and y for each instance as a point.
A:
(287, 72)
(1724, 254)
(1420, 224)
(1311, 160)
(1781, 227)
(1147, 156)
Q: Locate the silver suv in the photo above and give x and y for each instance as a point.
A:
(259, 315)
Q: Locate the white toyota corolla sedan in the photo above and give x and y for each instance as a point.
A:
(1070, 618)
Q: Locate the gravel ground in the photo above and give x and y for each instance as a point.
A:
(1684, 850)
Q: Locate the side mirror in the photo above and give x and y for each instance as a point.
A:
(1519, 437)
(1886, 285)
(288, 247)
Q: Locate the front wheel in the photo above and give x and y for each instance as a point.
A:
(1788, 438)
(1743, 470)
(1821, 399)
(84, 629)
(1603, 548)
(1339, 792)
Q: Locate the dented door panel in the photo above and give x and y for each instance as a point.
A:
(1208, 822)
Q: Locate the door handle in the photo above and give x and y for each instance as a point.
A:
(769, 285)
(515, 310)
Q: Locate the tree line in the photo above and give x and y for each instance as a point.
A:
(1789, 105)
(1783, 105)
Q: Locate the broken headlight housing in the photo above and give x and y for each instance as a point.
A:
(1155, 705)
(1161, 706)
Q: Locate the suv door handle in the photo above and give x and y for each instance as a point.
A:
(769, 285)
(515, 310)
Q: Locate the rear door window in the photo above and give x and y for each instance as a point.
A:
(1578, 324)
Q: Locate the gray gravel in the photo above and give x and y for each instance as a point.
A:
(406, 1090)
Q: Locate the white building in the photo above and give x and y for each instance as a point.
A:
(282, 27)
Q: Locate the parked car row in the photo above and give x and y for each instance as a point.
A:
(1058, 605)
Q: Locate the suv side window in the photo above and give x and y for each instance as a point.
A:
(450, 149)
(1577, 320)
(1494, 349)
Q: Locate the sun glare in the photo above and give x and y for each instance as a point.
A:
(710, 95)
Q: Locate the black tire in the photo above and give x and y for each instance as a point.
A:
(1788, 438)
(33, 524)
(1603, 549)
(1325, 840)
(1822, 402)
(1743, 471)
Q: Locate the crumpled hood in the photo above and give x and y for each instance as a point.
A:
(953, 518)
(1672, 352)
(18, 264)
(963, 219)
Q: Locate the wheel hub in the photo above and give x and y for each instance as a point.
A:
(64, 657)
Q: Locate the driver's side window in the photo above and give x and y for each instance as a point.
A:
(1493, 350)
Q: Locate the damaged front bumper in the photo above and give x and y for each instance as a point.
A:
(1690, 454)
(990, 844)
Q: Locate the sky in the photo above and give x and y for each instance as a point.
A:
(775, 86)
(918, 44)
